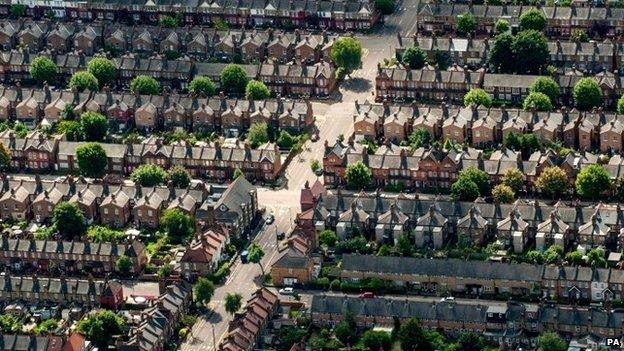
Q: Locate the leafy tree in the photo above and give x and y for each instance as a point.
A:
(347, 54)
(69, 220)
(203, 86)
(592, 181)
(534, 256)
(43, 69)
(587, 94)
(533, 19)
(286, 140)
(255, 254)
(165, 271)
(290, 335)
(530, 50)
(386, 7)
(346, 330)
(501, 26)
(551, 341)
(412, 338)
(5, 157)
(620, 105)
(234, 79)
(258, 134)
(538, 102)
(149, 175)
(144, 85)
(315, 165)
(579, 35)
(553, 254)
(466, 23)
(100, 326)
(478, 97)
(92, 160)
(177, 224)
(414, 57)
(238, 173)
(442, 59)
(479, 177)
(553, 181)
(500, 57)
(9, 323)
(124, 265)
(358, 175)
(419, 138)
(101, 234)
(376, 340)
(233, 303)
(94, 126)
(179, 177)
(513, 141)
(18, 10)
(71, 129)
(503, 194)
(169, 21)
(256, 90)
(464, 189)
(574, 258)
(470, 342)
(203, 290)
(46, 326)
(103, 69)
(596, 257)
(529, 143)
(83, 80)
(404, 245)
(328, 238)
(547, 86)
(514, 179)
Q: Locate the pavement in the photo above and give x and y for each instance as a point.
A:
(333, 118)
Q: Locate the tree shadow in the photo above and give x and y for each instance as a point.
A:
(357, 85)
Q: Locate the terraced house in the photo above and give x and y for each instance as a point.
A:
(435, 223)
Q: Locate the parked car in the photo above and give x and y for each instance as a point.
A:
(270, 219)
(287, 291)
(319, 172)
(244, 255)
(367, 295)
(447, 299)
(281, 235)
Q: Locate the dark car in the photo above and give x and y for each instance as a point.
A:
(281, 235)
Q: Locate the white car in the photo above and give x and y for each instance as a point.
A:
(450, 298)
(286, 291)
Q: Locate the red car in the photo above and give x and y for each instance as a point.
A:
(367, 295)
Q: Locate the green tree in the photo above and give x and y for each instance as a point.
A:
(103, 69)
(149, 175)
(386, 7)
(533, 19)
(285, 140)
(234, 79)
(547, 86)
(587, 94)
(464, 189)
(18, 10)
(43, 69)
(202, 86)
(530, 52)
(101, 234)
(500, 57)
(69, 220)
(179, 176)
(514, 179)
(478, 97)
(5, 157)
(124, 265)
(99, 327)
(470, 342)
(552, 182)
(358, 175)
(238, 173)
(596, 258)
(255, 255)
(315, 165)
(169, 21)
(529, 143)
(551, 341)
(258, 134)
(404, 245)
(479, 177)
(620, 105)
(466, 23)
(538, 102)
(420, 137)
(71, 129)
(9, 323)
(328, 238)
(346, 330)
(574, 258)
(46, 326)
(144, 85)
(376, 340)
(442, 59)
(233, 303)
(414, 57)
(534, 256)
(592, 181)
(553, 254)
(503, 194)
(92, 160)
(203, 290)
(412, 338)
(501, 26)
(579, 35)
(178, 225)
(347, 54)
(256, 90)
(83, 80)
(94, 126)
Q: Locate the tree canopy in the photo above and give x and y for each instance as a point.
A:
(552, 182)
(233, 303)
(514, 179)
(179, 176)
(386, 7)
(547, 86)
(500, 57)
(358, 175)
(258, 134)
(144, 85)
(587, 94)
(347, 54)
(100, 326)
(412, 338)
(530, 52)
(414, 57)
(234, 79)
(255, 254)
(503, 194)
(538, 102)
(256, 90)
(202, 86)
(69, 220)
(94, 126)
(178, 225)
(551, 341)
(620, 105)
(478, 97)
(92, 160)
(533, 19)
(43, 69)
(149, 175)
(466, 23)
(592, 181)
(84, 80)
(203, 290)
(103, 69)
